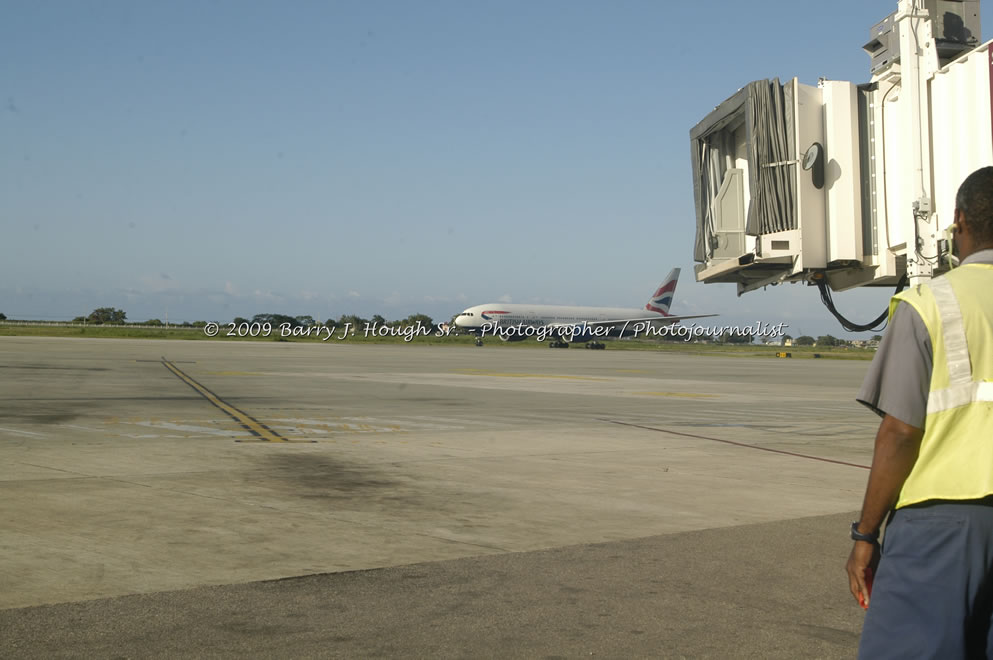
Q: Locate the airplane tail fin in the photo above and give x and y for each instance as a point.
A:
(661, 300)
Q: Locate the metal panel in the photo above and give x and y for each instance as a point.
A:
(844, 198)
(867, 161)
(810, 202)
(884, 45)
(961, 126)
(729, 222)
(955, 26)
(896, 189)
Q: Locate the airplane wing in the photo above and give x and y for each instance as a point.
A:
(620, 322)
(631, 325)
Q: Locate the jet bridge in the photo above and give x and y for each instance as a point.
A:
(841, 184)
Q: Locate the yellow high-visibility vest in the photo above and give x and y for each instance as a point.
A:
(956, 456)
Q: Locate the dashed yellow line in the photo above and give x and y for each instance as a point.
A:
(247, 422)
(684, 395)
(481, 372)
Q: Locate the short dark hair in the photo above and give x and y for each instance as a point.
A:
(975, 200)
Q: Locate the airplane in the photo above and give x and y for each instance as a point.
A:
(564, 324)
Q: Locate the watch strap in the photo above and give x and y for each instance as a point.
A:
(859, 536)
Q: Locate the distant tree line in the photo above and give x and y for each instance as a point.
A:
(823, 340)
(356, 321)
(735, 338)
(113, 316)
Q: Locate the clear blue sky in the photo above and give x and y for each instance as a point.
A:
(206, 160)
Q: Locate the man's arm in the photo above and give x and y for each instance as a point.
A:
(897, 446)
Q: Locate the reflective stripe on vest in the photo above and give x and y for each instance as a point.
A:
(961, 389)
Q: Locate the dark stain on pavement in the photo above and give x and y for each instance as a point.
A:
(38, 413)
(316, 476)
(50, 367)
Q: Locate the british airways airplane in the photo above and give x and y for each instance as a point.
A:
(563, 324)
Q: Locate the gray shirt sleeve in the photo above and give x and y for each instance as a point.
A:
(899, 377)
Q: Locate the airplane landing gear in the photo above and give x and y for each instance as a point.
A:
(479, 341)
(596, 345)
(558, 343)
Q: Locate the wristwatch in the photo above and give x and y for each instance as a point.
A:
(859, 536)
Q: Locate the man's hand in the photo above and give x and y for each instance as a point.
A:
(861, 567)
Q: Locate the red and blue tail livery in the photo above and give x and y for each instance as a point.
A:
(662, 300)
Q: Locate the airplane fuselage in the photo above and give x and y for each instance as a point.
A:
(490, 318)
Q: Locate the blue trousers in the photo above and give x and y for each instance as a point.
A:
(932, 596)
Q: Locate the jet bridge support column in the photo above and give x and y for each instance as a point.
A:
(912, 201)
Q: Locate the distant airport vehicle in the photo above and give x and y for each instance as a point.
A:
(564, 324)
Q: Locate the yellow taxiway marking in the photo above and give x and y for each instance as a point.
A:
(247, 422)
(685, 395)
(482, 372)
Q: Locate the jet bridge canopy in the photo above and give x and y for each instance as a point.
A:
(842, 184)
(757, 220)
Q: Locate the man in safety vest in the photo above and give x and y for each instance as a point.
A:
(932, 467)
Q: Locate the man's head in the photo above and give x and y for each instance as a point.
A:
(974, 212)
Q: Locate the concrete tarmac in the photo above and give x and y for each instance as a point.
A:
(441, 501)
